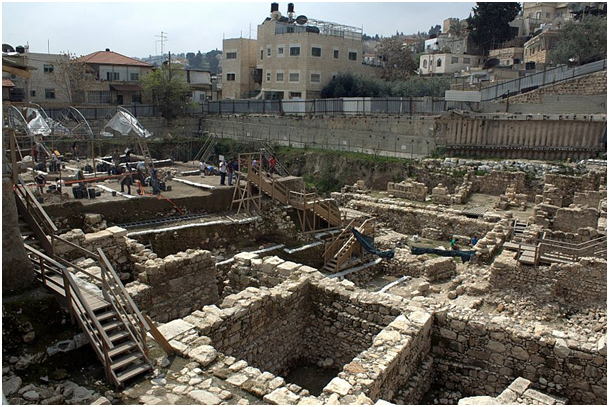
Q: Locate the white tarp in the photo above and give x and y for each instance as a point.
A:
(124, 123)
(39, 126)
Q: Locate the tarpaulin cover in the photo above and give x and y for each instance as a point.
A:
(367, 243)
(124, 123)
(39, 126)
(466, 255)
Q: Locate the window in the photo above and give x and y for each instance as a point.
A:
(261, 54)
(466, 60)
(112, 76)
(352, 56)
(548, 15)
(48, 68)
(295, 95)
(230, 76)
(315, 78)
(280, 51)
(439, 63)
(316, 52)
(538, 15)
(49, 93)
(279, 76)
(99, 96)
(294, 77)
(454, 60)
(231, 55)
(136, 98)
(33, 93)
(134, 76)
(336, 54)
(268, 76)
(294, 51)
(425, 64)
(268, 52)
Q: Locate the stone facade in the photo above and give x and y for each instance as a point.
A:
(174, 286)
(593, 84)
(482, 357)
(572, 283)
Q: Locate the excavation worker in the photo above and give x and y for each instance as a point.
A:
(474, 241)
(40, 181)
(222, 172)
(272, 163)
(80, 176)
(154, 180)
(116, 160)
(126, 179)
(231, 170)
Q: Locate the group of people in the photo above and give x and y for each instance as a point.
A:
(454, 246)
(230, 168)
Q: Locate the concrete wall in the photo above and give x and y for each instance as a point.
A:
(399, 136)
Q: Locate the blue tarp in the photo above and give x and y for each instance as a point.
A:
(466, 255)
(367, 243)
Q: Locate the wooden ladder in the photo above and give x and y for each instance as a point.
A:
(143, 146)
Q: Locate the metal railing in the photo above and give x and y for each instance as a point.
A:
(547, 77)
(553, 249)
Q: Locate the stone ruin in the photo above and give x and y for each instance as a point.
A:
(416, 191)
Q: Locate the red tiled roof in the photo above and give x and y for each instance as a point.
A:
(7, 83)
(111, 58)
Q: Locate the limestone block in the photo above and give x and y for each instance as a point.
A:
(561, 349)
(175, 328)
(245, 258)
(204, 397)
(204, 354)
(281, 396)
(117, 231)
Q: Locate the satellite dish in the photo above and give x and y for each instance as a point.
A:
(302, 20)
(276, 15)
(491, 63)
(7, 48)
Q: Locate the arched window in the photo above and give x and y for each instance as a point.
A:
(425, 64)
(439, 63)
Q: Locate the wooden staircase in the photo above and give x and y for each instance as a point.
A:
(547, 251)
(344, 251)
(267, 152)
(311, 209)
(112, 322)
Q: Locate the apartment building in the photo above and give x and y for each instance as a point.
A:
(295, 57)
(46, 84)
(116, 78)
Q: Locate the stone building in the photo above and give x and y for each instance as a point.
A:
(295, 57)
(116, 78)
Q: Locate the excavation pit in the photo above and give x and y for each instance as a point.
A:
(375, 343)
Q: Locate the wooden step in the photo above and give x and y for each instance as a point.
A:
(125, 361)
(132, 372)
(120, 349)
(105, 315)
(112, 325)
(118, 336)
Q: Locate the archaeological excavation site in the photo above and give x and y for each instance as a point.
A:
(233, 267)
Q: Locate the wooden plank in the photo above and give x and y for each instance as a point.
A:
(158, 336)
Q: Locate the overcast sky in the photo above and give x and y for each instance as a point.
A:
(134, 28)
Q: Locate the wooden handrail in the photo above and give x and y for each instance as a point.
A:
(337, 238)
(77, 247)
(121, 287)
(32, 199)
(62, 270)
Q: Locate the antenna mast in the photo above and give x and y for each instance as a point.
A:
(163, 38)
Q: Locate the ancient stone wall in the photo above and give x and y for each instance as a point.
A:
(593, 84)
(415, 191)
(478, 356)
(591, 199)
(574, 219)
(566, 186)
(497, 182)
(410, 219)
(174, 286)
(573, 283)
(111, 240)
(406, 264)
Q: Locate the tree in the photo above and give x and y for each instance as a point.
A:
(168, 88)
(458, 28)
(490, 23)
(398, 61)
(434, 31)
(581, 41)
(74, 77)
